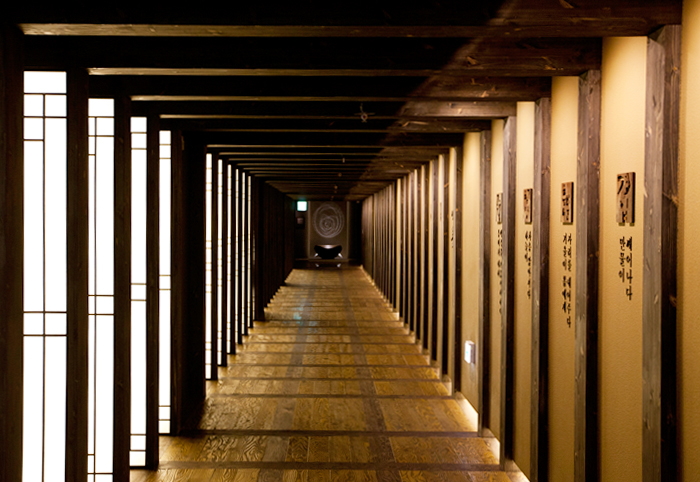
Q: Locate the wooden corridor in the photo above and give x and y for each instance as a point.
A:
(330, 388)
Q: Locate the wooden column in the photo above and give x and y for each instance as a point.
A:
(252, 227)
(392, 244)
(187, 277)
(587, 248)
(244, 252)
(484, 300)
(122, 286)
(508, 306)
(457, 233)
(239, 248)
(540, 292)
(77, 276)
(418, 280)
(445, 240)
(404, 249)
(152, 287)
(660, 235)
(436, 239)
(426, 253)
(11, 251)
(213, 278)
(224, 265)
(409, 252)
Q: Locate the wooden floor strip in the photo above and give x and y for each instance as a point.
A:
(283, 465)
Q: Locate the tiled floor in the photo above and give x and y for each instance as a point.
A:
(330, 388)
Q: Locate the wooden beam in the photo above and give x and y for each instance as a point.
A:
(540, 293)
(122, 287)
(660, 452)
(11, 251)
(331, 57)
(313, 125)
(508, 306)
(586, 465)
(471, 109)
(153, 289)
(325, 89)
(77, 276)
(511, 20)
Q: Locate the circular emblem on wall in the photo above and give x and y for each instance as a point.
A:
(329, 220)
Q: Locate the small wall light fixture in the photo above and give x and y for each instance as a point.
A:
(302, 206)
(469, 352)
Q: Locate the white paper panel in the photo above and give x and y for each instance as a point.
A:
(55, 105)
(55, 410)
(105, 216)
(104, 394)
(56, 323)
(34, 105)
(33, 226)
(45, 82)
(138, 367)
(55, 214)
(33, 419)
(138, 217)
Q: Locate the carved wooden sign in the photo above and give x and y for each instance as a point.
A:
(625, 198)
(499, 208)
(567, 202)
(527, 206)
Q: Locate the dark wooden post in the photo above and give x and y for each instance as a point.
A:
(239, 246)
(152, 287)
(436, 239)
(426, 255)
(457, 233)
(660, 234)
(410, 240)
(483, 352)
(418, 279)
(122, 286)
(256, 243)
(213, 278)
(77, 276)
(508, 306)
(445, 240)
(224, 265)
(11, 251)
(188, 278)
(540, 292)
(587, 249)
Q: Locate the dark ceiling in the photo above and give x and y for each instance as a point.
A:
(322, 99)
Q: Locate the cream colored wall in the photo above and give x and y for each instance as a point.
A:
(524, 165)
(620, 323)
(495, 333)
(471, 208)
(561, 334)
(689, 245)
